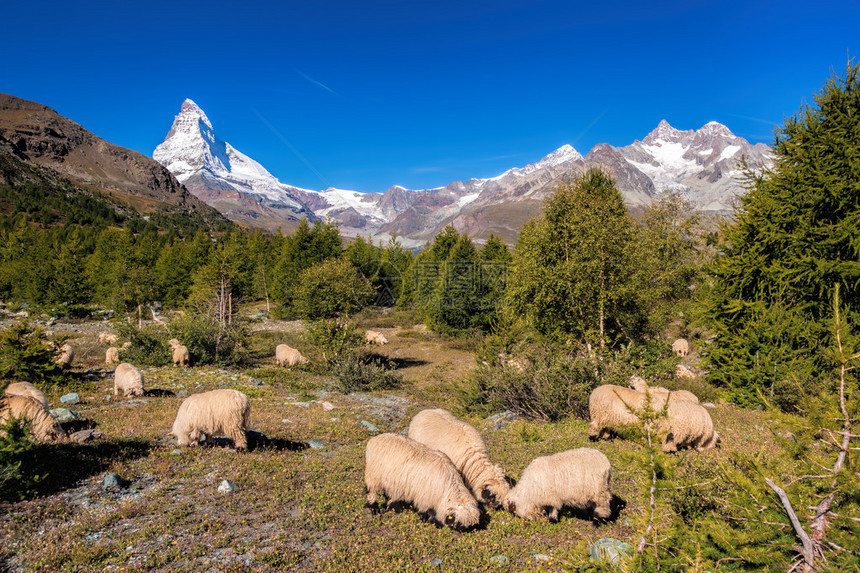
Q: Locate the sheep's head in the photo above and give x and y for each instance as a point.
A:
(494, 491)
(464, 516)
(638, 383)
(173, 343)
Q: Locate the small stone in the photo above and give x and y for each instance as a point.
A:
(541, 557)
(316, 444)
(175, 452)
(627, 522)
(114, 481)
(107, 398)
(500, 560)
(608, 549)
(708, 405)
(64, 415)
(286, 421)
(227, 486)
(301, 404)
(369, 426)
(182, 393)
(84, 436)
(327, 406)
(436, 563)
(71, 398)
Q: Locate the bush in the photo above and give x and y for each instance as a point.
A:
(553, 384)
(26, 355)
(360, 372)
(15, 449)
(148, 344)
(208, 341)
(335, 339)
(332, 288)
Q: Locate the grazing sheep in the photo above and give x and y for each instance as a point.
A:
(288, 355)
(174, 343)
(374, 337)
(681, 347)
(180, 355)
(126, 345)
(107, 338)
(43, 426)
(128, 379)
(407, 471)
(577, 478)
(439, 430)
(112, 355)
(682, 371)
(27, 389)
(607, 408)
(217, 412)
(688, 425)
(638, 383)
(66, 355)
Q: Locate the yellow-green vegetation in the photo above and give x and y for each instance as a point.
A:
(302, 508)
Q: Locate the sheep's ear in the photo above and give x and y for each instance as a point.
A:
(487, 495)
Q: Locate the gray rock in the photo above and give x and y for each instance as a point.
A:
(316, 444)
(436, 563)
(71, 398)
(114, 481)
(541, 557)
(64, 415)
(175, 452)
(327, 406)
(499, 560)
(708, 405)
(301, 404)
(369, 426)
(608, 549)
(227, 486)
(182, 393)
(84, 436)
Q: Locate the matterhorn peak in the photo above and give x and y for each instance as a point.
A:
(192, 109)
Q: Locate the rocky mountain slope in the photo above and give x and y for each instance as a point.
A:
(35, 135)
(701, 164)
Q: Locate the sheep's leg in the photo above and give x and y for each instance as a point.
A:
(603, 506)
(593, 431)
(240, 439)
(553, 515)
(372, 504)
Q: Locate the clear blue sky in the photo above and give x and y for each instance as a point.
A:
(416, 93)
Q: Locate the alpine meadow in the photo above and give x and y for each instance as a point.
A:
(564, 377)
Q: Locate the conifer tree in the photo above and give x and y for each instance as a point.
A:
(793, 240)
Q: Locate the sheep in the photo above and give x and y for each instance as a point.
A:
(608, 408)
(638, 383)
(27, 389)
(407, 471)
(687, 425)
(682, 371)
(174, 343)
(126, 345)
(577, 478)
(216, 412)
(288, 355)
(681, 347)
(128, 379)
(43, 426)
(66, 355)
(180, 355)
(439, 430)
(107, 338)
(112, 355)
(374, 337)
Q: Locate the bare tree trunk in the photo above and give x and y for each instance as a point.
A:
(230, 308)
(139, 317)
(808, 546)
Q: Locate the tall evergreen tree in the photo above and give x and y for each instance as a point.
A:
(795, 238)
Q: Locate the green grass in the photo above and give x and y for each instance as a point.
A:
(304, 509)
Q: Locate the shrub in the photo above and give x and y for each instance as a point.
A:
(361, 372)
(26, 355)
(208, 341)
(335, 339)
(148, 344)
(553, 384)
(16, 480)
(332, 288)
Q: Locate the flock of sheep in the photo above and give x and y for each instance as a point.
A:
(442, 467)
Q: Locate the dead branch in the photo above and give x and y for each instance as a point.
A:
(808, 551)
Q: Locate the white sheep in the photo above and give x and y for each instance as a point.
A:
(66, 355)
(173, 343)
(638, 383)
(107, 338)
(43, 426)
(407, 471)
(439, 430)
(576, 478)
(285, 354)
(27, 389)
(681, 347)
(682, 371)
(608, 408)
(687, 425)
(180, 355)
(112, 355)
(374, 337)
(217, 412)
(128, 379)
